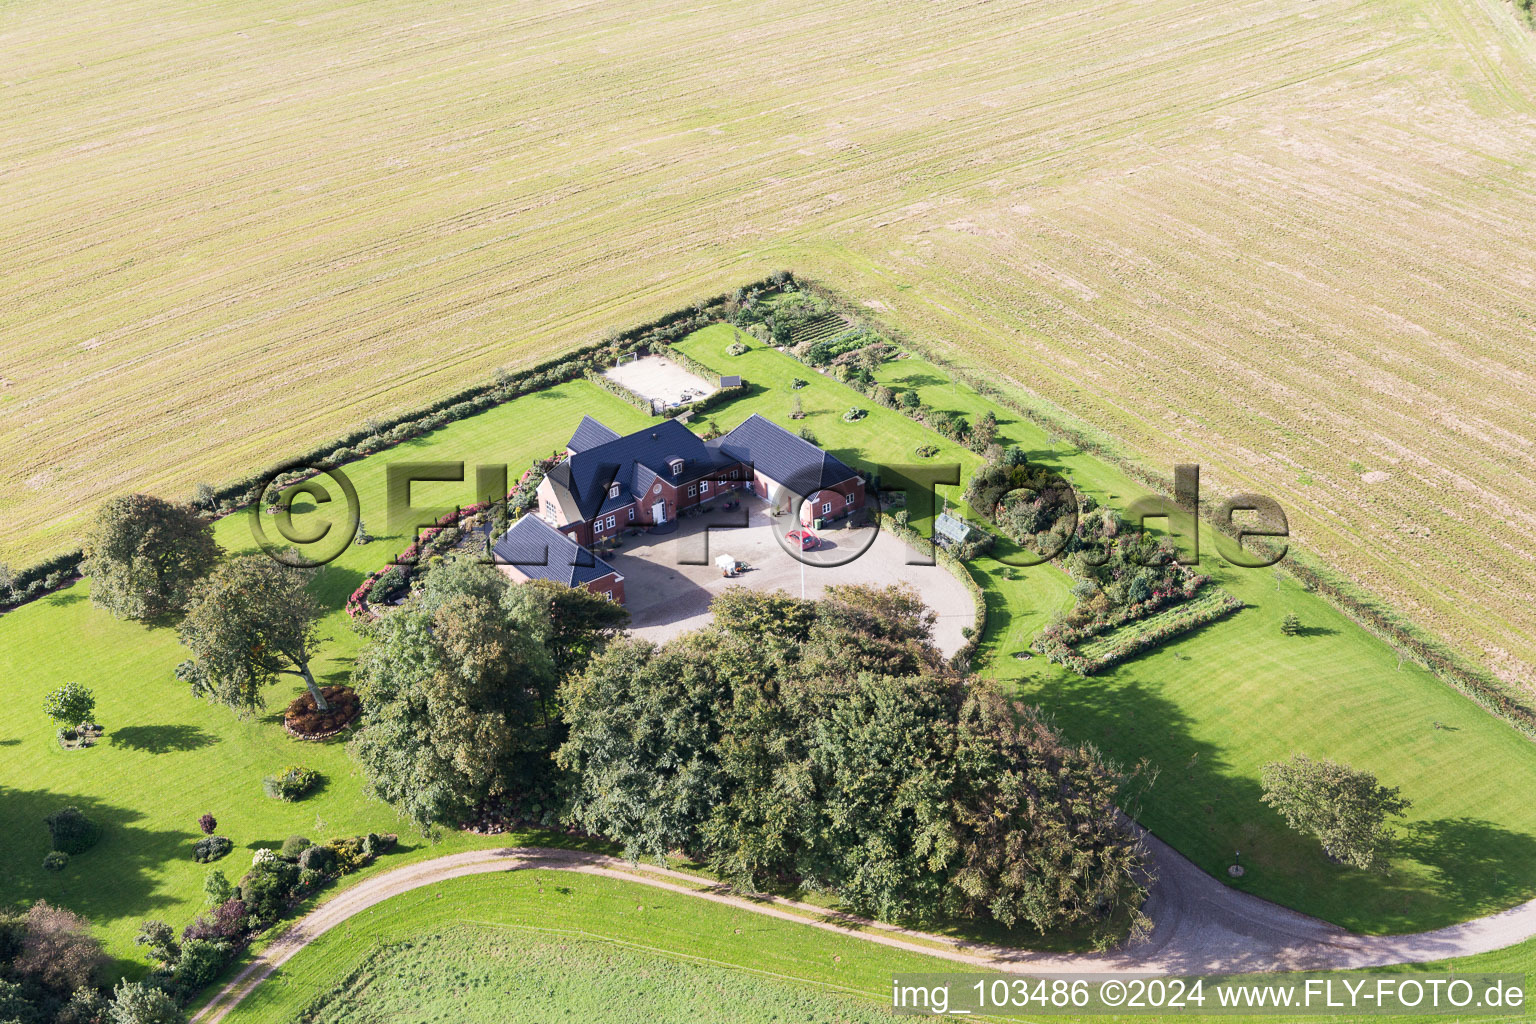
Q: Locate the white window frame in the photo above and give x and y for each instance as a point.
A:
(611, 522)
(692, 490)
(848, 499)
(676, 466)
(826, 508)
(704, 487)
(631, 514)
(613, 491)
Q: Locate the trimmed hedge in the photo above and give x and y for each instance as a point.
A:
(614, 387)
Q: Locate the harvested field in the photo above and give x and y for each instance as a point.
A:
(1289, 239)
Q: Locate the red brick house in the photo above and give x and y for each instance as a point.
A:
(610, 483)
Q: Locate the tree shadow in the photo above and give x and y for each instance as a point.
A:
(1315, 631)
(162, 739)
(65, 597)
(1467, 855)
(1208, 810)
(116, 878)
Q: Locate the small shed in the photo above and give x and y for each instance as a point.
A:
(951, 532)
(730, 382)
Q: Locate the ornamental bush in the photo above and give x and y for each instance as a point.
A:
(291, 783)
(293, 846)
(72, 832)
(211, 849)
(55, 860)
(318, 858)
(70, 704)
(224, 922)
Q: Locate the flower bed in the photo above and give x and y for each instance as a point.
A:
(394, 577)
(1135, 636)
(305, 721)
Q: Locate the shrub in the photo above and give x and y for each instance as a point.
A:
(72, 831)
(809, 435)
(266, 890)
(291, 783)
(320, 859)
(70, 704)
(736, 348)
(55, 860)
(1291, 625)
(137, 1002)
(200, 962)
(225, 923)
(211, 849)
(159, 940)
(293, 846)
(209, 824)
(216, 887)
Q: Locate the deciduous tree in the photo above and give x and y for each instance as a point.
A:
(251, 621)
(144, 554)
(1347, 809)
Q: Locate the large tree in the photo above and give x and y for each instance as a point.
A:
(1037, 824)
(458, 699)
(1347, 809)
(642, 754)
(826, 744)
(144, 555)
(248, 623)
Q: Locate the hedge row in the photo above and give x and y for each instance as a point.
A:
(612, 386)
(385, 583)
(34, 581)
(688, 363)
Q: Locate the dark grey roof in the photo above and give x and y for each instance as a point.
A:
(786, 458)
(542, 552)
(730, 382)
(588, 474)
(589, 434)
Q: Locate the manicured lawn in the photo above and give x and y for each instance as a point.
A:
(168, 757)
(1209, 710)
(1206, 712)
(551, 945)
(543, 945)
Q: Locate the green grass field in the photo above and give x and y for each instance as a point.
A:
(552, 945)
(1207, 711)
(548, 946)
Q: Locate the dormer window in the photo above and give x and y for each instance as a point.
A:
(677, 466)
(613, 492)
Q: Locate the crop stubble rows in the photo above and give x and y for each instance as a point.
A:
(1289, 240)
